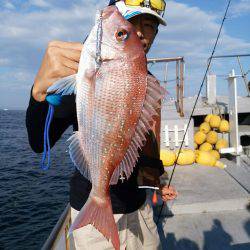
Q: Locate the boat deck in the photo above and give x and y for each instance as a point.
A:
(212, 209)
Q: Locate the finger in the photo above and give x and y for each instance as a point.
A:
(65, 71)
(67, 45)
(169, 196)
(170, 192)
(72, 54)
(70, 64)
(69, 53)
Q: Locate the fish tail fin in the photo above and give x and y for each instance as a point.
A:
(64, 86)
(98, 212)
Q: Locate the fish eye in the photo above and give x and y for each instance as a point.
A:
(121, 35)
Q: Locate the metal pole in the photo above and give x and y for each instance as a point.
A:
(229, 56)
(178, 86)
(181, 88)
(243, 76)
(165, 59)
(233, 117)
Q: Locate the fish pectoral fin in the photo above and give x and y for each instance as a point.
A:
(100, 215)
(77, 155)
(154, 94)
(64, 86)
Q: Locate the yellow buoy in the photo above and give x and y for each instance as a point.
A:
(224, 126)
(215, 121)
(216, 154)
(204, 127)
(206, 147)
(205, 158)
(208, 117)
(186, 157)
(221, 143)
(167, 157)
(212, 137)
(199, 137)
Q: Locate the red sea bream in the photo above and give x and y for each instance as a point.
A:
(115, 103)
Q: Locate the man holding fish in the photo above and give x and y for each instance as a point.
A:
(116, 118)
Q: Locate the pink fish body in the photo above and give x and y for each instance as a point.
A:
(115, 105)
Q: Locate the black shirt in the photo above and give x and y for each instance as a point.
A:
(126, 197)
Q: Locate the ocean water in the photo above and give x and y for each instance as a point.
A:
(31, 200)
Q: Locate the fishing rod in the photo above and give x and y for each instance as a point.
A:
(199, 92)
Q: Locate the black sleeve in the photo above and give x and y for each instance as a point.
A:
(154, 163)
(35, 121)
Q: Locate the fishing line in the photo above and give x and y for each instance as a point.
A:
(199, 92)
(99, 40)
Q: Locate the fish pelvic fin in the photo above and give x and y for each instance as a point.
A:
(64, 86)
(98, 212)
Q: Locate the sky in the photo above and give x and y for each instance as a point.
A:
(26, 27)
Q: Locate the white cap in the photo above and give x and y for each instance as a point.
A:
(131, 11)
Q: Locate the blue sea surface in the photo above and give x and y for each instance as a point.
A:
(31, 199)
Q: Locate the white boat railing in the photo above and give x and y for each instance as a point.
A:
(179, 78)
(58, 237)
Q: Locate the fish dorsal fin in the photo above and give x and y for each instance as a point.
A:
(76, 152)
(154, 94)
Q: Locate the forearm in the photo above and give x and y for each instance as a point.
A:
(35, 122)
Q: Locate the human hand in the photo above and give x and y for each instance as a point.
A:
(168, 193)
(61, 59)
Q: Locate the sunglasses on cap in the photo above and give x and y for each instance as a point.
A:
(157, 5)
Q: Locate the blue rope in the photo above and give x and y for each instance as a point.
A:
(53, 100)
(46, 146)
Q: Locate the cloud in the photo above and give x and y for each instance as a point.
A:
(242, 7)
(8, 5)
(26, 31)
(4, 61)
(40, 3)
